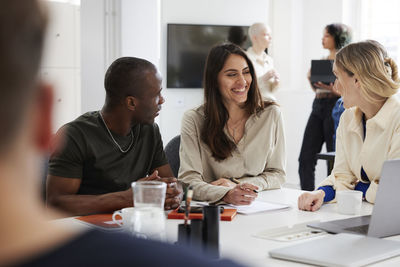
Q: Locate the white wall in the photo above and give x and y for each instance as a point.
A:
(61, 60)
(93, 54)
(140, 29)
(297, 27)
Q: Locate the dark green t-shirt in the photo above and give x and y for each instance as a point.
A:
(89, 153)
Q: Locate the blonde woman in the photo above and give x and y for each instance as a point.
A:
(369, 129)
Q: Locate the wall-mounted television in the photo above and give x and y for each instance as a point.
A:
(187, 49)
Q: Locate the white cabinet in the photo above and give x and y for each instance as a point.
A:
(61, 60)
(66, 83)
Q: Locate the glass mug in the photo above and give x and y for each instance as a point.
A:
(148, 219)
(149, 194)
(148, 223)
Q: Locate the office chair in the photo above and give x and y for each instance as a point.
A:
(172, 152)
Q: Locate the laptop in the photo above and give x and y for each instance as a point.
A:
(385, 218)
(339, 250)
(321, 71)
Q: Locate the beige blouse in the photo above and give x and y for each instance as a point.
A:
(262, 64)
(382, 142)
(259, 158)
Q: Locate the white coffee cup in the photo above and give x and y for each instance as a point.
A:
(126, 217)
(349, 201)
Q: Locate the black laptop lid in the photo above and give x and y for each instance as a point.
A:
(321, 71)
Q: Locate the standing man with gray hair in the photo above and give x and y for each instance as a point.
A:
(268, 78)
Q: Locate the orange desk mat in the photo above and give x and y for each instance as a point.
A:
(105, 221)
(100, 220)
(227, 215)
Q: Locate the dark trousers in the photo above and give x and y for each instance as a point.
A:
(319, 130)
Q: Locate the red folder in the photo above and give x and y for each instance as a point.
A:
(103, 221)
(227, 215)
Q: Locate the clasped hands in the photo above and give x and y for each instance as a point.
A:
(240, 194)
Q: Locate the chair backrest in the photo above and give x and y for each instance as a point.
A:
(172, 152)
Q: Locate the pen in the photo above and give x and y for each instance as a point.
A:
(236, 181)
(189, 195)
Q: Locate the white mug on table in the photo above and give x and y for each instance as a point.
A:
(126, 217)
(349, 201)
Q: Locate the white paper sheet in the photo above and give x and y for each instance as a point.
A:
(259, 206)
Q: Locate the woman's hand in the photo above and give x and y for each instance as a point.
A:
(241, 194)
(329, 87)
(311, 201)
(223, 182)
(272, 74)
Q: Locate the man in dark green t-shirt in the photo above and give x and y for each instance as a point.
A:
(104, 151)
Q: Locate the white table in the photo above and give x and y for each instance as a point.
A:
(236, 237)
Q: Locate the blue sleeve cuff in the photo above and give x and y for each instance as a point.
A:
(329, 192)
(363, 187)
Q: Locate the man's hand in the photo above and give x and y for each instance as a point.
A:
(223, 182)
(311, 201)
(241, 194)
(152, 177)
(174, 193)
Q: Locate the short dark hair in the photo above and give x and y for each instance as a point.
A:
(22, 30)
(216, 114)
(341, 33)
(125, 77)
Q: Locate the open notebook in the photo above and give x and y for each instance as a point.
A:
(259, 206)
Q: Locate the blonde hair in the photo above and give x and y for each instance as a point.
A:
(377, 73)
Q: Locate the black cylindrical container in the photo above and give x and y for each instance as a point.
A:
(183, 234)
(211, 216)
(196, 233)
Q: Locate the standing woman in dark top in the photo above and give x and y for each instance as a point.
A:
(319, 129)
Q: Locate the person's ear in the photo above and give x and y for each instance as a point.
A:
(130, 102)
(43, 130)
(357, 82)
(253, 39)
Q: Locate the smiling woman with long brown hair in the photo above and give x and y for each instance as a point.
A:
(234, 134)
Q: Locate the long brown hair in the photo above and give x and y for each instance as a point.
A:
(216, 115)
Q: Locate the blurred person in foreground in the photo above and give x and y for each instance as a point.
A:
(27, 238)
